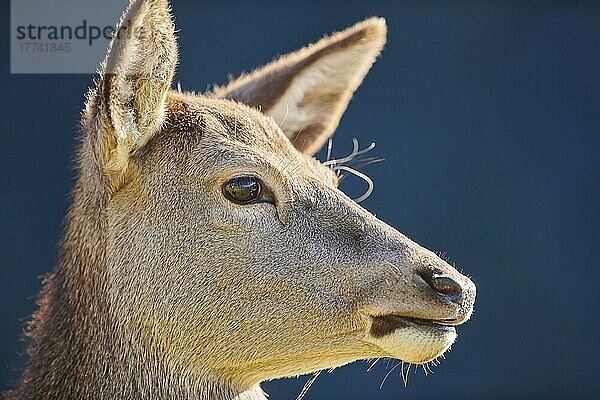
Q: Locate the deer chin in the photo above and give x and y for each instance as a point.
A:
(411, 339)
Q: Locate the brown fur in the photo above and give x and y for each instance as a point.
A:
(165, 289)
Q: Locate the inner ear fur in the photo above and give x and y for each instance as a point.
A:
(307, 91)
(130, 97)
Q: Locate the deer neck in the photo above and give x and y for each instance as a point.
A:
(76, 349)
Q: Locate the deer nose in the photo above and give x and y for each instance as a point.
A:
(446, 288)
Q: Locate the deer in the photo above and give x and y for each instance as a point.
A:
(207, 250)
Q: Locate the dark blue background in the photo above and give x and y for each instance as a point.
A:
(488, 116)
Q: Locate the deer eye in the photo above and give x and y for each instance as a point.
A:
(242, 190)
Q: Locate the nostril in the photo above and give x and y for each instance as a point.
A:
(446, 287)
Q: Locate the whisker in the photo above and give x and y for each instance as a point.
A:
(355, 152)
(287, 110)
(293, 159)
(307, 385)
(363, 162)
(389, 372)
(333, 162)
(430, 366)
(329, 148)
(372, 365)
(366, 149)
(364, 177)
(302, 164)
(394, 268)
(283, 160)
(298, 135)
(405, 374)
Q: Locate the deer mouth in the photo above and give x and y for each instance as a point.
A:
(411, 339)
(386, 324)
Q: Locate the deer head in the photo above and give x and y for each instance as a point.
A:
(228, 252)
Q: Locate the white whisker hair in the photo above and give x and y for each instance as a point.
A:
(362, 176)
(307, 385)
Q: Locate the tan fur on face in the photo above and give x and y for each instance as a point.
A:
(166, 289)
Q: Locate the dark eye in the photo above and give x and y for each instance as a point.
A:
(242, 190)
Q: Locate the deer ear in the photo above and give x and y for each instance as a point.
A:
(307, 91)
(128, 103)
